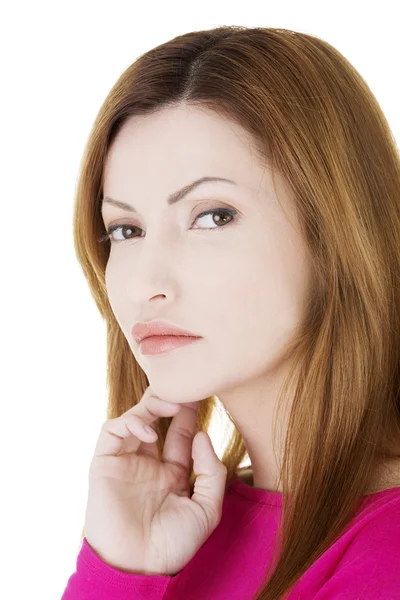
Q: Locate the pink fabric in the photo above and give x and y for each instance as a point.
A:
(363, 563)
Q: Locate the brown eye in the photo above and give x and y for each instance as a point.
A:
(127, 230)
(225, 212)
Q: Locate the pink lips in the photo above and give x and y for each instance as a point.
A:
(140, 331)
(159, 344)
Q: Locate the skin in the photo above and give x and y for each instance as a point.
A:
(240, 285)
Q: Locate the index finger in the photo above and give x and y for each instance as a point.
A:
(113, 432)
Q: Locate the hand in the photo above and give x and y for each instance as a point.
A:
(140, 517)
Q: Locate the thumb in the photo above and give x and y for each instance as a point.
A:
(211, 473)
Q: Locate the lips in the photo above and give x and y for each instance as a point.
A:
(143, 330)
(161, 344)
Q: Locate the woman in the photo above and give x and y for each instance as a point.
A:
(242, 184)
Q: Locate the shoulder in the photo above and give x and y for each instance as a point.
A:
(369, 559)
(379, 521)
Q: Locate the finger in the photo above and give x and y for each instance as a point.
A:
(151, 407)
(150, 449)
(146, 447)
(179, 439)
(114, 432)
(210, 482)
(127, 431)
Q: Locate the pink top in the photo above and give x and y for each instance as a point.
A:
(363, 563)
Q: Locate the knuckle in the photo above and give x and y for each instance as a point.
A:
(183, 431)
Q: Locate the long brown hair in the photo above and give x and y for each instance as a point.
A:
(314, 119)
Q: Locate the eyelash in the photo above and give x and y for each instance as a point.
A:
(112, 228)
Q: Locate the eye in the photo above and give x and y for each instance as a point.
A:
(226, 212)
(126, 228)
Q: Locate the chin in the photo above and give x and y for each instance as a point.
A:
(175, 396)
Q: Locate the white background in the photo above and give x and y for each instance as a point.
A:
(58, 62)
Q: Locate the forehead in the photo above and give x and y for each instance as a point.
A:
(186, 141)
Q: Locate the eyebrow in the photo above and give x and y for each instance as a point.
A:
(173, 198)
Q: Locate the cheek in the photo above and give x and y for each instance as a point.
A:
(114, 275)
(110, 283)
(258, 304)
(114, 287)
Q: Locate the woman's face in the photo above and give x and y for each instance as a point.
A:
(236, 277)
